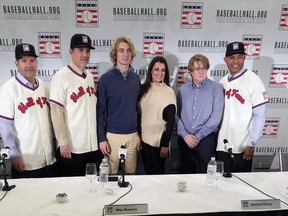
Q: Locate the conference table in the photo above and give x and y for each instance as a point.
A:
(38, 196)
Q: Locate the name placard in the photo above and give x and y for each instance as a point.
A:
(260, 204)
(126, 209)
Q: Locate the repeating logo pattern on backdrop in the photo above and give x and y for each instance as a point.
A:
(283, 23)
(94, 69)
(277, 102)
(139, 13)
(281, 47)
(102, 44)
(87, 14)
(253, 45)
(241, 16)
(278, 76)
(191, 15)
(202, 46)
(183, 74)
(153, 44)
(271, 127)
(49, 44)
(31, 12)
(8, 44)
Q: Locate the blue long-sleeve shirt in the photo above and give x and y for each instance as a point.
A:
(117, 103)
(200, 108)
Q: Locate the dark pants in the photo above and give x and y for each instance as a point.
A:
(153, 163)
(77, 164)
(195, 160)
(47, 171)
(236, 164)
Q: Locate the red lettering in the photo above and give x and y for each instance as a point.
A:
(39, 102)
(74, 97)
(22, 107)
(81, 91)
(235, 94)
(228, 93)
(30, 102)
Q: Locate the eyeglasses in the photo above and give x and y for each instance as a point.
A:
(200, 69)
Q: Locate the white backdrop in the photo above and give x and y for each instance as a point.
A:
(175, 29)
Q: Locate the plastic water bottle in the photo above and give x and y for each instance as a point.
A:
(211, 172)
(104, 171)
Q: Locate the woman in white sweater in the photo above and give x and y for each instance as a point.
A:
(157, 108)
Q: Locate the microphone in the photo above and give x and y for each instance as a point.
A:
(122, 152)
(228, 147)
(5, 153)
(122, 155)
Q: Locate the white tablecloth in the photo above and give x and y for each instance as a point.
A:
(38, 196)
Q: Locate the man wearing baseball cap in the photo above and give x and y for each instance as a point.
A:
(25, 119)
(73, 110)
(244, 112)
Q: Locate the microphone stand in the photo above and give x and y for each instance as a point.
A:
(122, 183)
(231, 164)
(6, 186)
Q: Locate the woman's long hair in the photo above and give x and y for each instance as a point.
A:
(148, 81)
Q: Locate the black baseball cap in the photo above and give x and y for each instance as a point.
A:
(25, 49)
(235, 48)
(80, 40)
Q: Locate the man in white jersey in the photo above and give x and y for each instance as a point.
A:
(25, 119)
(244, 112)
(73, 110)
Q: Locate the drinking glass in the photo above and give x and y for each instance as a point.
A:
(91, 173)
(219, 172)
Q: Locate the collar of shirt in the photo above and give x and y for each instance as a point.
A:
(237, 74)
(201, 84)
(26, 82)
(124, 73)
(76, 69)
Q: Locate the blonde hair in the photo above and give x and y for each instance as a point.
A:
(115, 45)
(198, 58)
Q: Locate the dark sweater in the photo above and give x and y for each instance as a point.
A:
(116, 103)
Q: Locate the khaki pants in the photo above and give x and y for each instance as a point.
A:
(130, 141)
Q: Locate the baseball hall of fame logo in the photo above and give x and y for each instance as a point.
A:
(153, 44)
(87, 13)
(283, 24)
(191, 15)
(94, 69)
(271, 127)
(252, 44)
(49, 44)
(278, 76)
(183, 74)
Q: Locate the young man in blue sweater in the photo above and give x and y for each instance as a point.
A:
(117, 93)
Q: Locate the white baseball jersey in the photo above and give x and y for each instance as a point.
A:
(29, 109)
(242, 94)
(77, 96)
